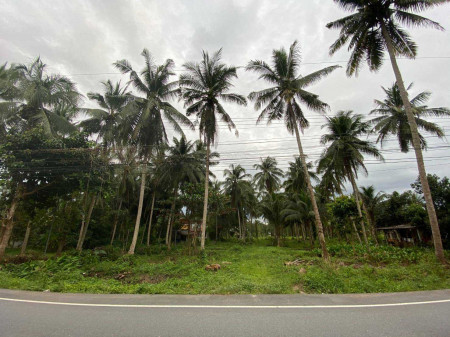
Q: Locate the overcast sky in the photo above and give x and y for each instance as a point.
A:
(82, 39)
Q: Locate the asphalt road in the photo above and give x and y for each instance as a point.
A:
(36, 314)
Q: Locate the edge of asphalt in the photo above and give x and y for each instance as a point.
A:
(229, 301)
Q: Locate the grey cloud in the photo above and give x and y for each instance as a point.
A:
(86, 37)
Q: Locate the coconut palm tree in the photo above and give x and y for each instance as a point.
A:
(332, 181)
(269, 176)
(236, 186)
(393, 119)
(282, 101)
(272, 207)
(295, 177)
(182, 164)
(346, 150)
(147, 113)
(36, 99)
(203, 87)
(373, 27)
(371, 200)
(106, 122)
(9, 96)
(298, 208)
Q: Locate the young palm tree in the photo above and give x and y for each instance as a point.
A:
(346, 150)
(106, 122)
(281, 101)
(203, 86)
(393, 119)
(373, 27)
(269, 176)
(146, 114)
(236, 186)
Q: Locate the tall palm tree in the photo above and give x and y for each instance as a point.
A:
(269, 176)
(146, 115)
(373, 27)
(203, 87)
(36, 98)
(393, 119)
(106, 122)
(346, 150)
(281, 101)
(236, 186)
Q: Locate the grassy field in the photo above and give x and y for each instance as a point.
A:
(245, 269)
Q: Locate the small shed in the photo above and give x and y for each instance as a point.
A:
(189, 229)
(402, 235)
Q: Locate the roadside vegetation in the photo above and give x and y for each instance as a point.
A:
(106, 192)
(251, 268)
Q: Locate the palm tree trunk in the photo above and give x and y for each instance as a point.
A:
(25, 240)
(150, 220)
(205, 200)
(85, 225)
(356, 231)
(370, 223)
(139, 214)
(319, 226)
(358, 206)
(438, 247)
(116, 219)
(217, 231)
(239, 222)
(171, 219)
(9, 223)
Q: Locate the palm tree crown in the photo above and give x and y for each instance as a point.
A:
(48, 101)
(346, 150)
(393, 119)
(106, 121)
(147, 112)
(295, 176)
(182, 163)
(235, 183)
(269, 175)
(363, 29)
(203, 86)
(281, 101)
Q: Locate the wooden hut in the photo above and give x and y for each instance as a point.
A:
(402, 235)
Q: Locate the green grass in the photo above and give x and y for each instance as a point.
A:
(245, 269)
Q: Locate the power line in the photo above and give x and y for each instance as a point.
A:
(241, 67)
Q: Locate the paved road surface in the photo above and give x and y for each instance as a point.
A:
(28, 314)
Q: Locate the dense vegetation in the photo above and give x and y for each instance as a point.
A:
(109, 179)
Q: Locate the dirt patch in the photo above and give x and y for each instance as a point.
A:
(19, 259)
(152, 279)
(298, 288)
(357, 266)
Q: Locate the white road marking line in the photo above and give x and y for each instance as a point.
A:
(194, 306)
